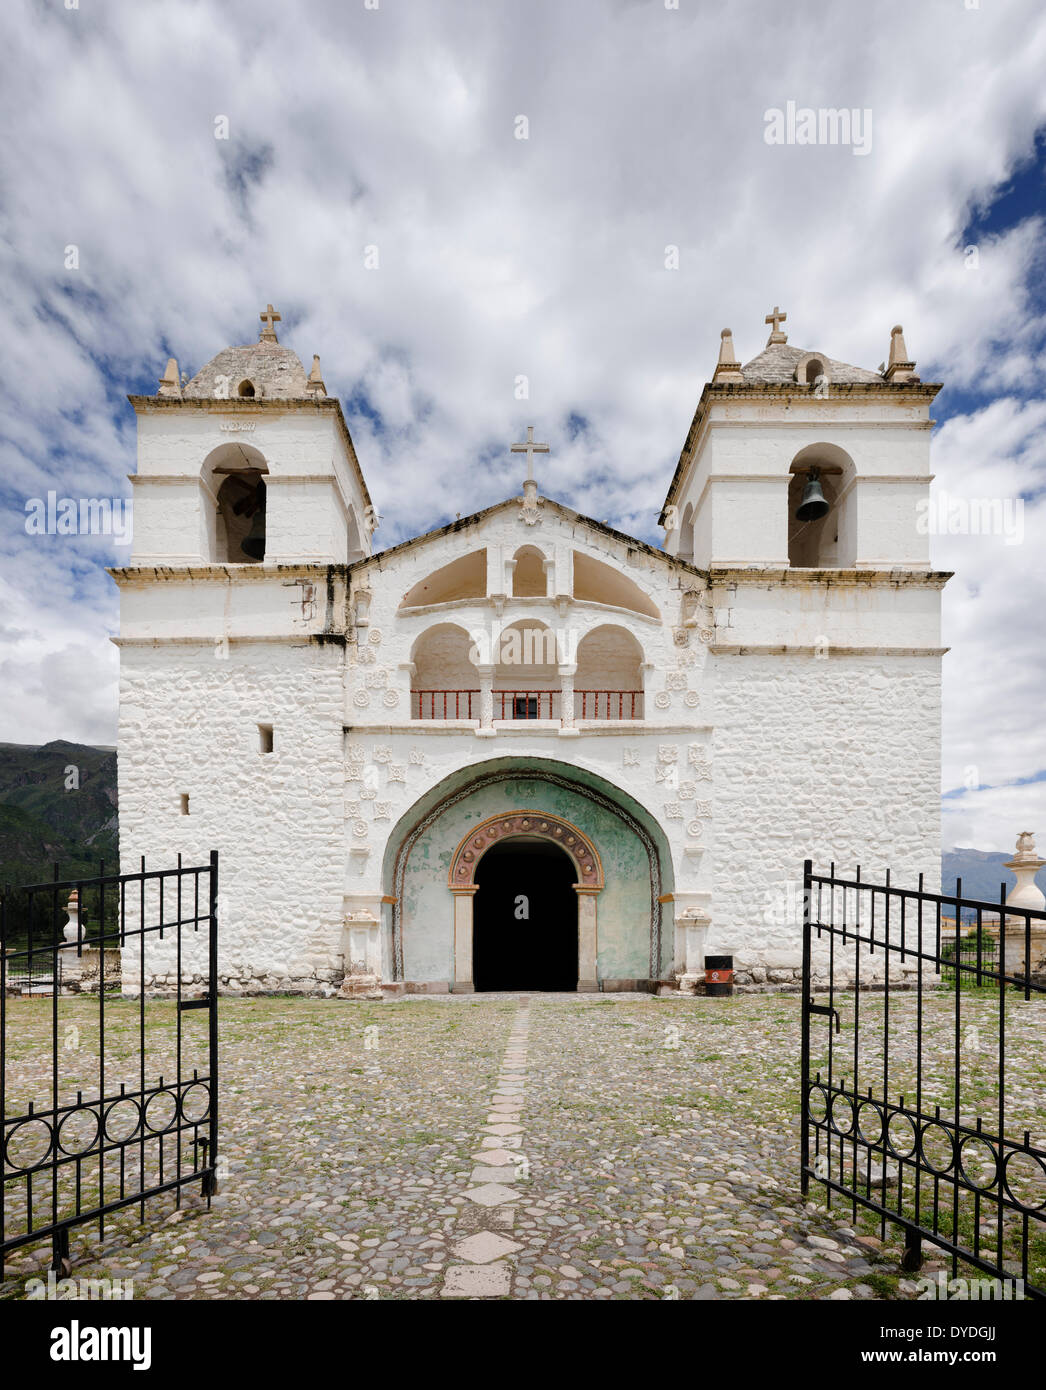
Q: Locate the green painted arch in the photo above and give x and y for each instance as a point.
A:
(630, 841)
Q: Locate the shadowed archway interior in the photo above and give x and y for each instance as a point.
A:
(525, 933)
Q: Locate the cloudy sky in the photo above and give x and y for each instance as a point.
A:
(394, 124)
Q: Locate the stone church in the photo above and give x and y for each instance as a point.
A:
(525, 750)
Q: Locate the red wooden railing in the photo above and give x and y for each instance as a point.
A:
(527, 704)
(445, 704)
(608, 704)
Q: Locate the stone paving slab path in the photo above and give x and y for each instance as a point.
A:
(644, 1148)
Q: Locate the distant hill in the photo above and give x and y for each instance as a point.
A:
(981, 872)
(57, 804)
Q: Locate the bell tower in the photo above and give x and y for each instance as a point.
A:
(801, 461)
(249, 462)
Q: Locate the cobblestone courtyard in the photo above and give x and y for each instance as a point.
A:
(572, 1146)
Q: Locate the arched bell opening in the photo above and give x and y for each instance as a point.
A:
(234, 477)
(821, 514)
(241, 510)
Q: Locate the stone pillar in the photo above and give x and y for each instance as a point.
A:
(587, 940)
(486, 701)
(1025, 893)
(463, 939)
(691, 932)
(361, 947)
(566, 700)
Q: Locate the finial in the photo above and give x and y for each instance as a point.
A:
(898, 366)
(728, 368)
(170, 382)
(315, 385)
(269, 318)
(777, 317)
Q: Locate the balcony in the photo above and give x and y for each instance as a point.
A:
(588, 705)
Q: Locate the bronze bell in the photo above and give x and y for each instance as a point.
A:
(814, 504)
(253, 544)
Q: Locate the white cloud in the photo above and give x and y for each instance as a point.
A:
(502, 258)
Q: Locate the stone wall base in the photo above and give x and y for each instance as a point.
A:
(328, 984)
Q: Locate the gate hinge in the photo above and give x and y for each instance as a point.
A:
(824, 1009)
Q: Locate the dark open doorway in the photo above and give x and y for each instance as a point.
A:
(525, 918)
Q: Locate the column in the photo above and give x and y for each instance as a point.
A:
(566, 701)
(463, 939)
(587, 940)
(486, 701)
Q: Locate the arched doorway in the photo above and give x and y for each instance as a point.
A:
(440, 841)
(525, 917)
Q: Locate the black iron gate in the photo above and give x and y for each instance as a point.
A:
(921, 1069)
(106, 1101)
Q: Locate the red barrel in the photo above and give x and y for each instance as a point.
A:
(719, 975)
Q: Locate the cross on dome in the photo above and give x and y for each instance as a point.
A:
(777, 317)
(269, 317)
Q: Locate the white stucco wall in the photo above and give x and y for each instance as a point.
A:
(189, 724)
(832, 758)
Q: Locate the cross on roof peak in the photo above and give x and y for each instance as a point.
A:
(777, 317)
(529, 448)
(269, 317)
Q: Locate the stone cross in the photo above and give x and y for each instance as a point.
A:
(270, 317)
(530, 449)
(776, 318)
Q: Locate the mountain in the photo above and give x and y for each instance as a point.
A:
(981, 872)
(57, 805)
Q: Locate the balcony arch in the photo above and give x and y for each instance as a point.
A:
(596, 582)
(444, 681)
(608, 681)
(526, 682)
(462, 579)
(529, 574)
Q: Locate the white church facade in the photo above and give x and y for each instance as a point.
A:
(525, 750)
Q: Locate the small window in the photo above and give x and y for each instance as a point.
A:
(265, 738)
(525, 707)
(814, 369)
(246, 388)
(185, 803)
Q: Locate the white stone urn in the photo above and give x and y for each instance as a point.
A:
(1025, 893)
(71, 930)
